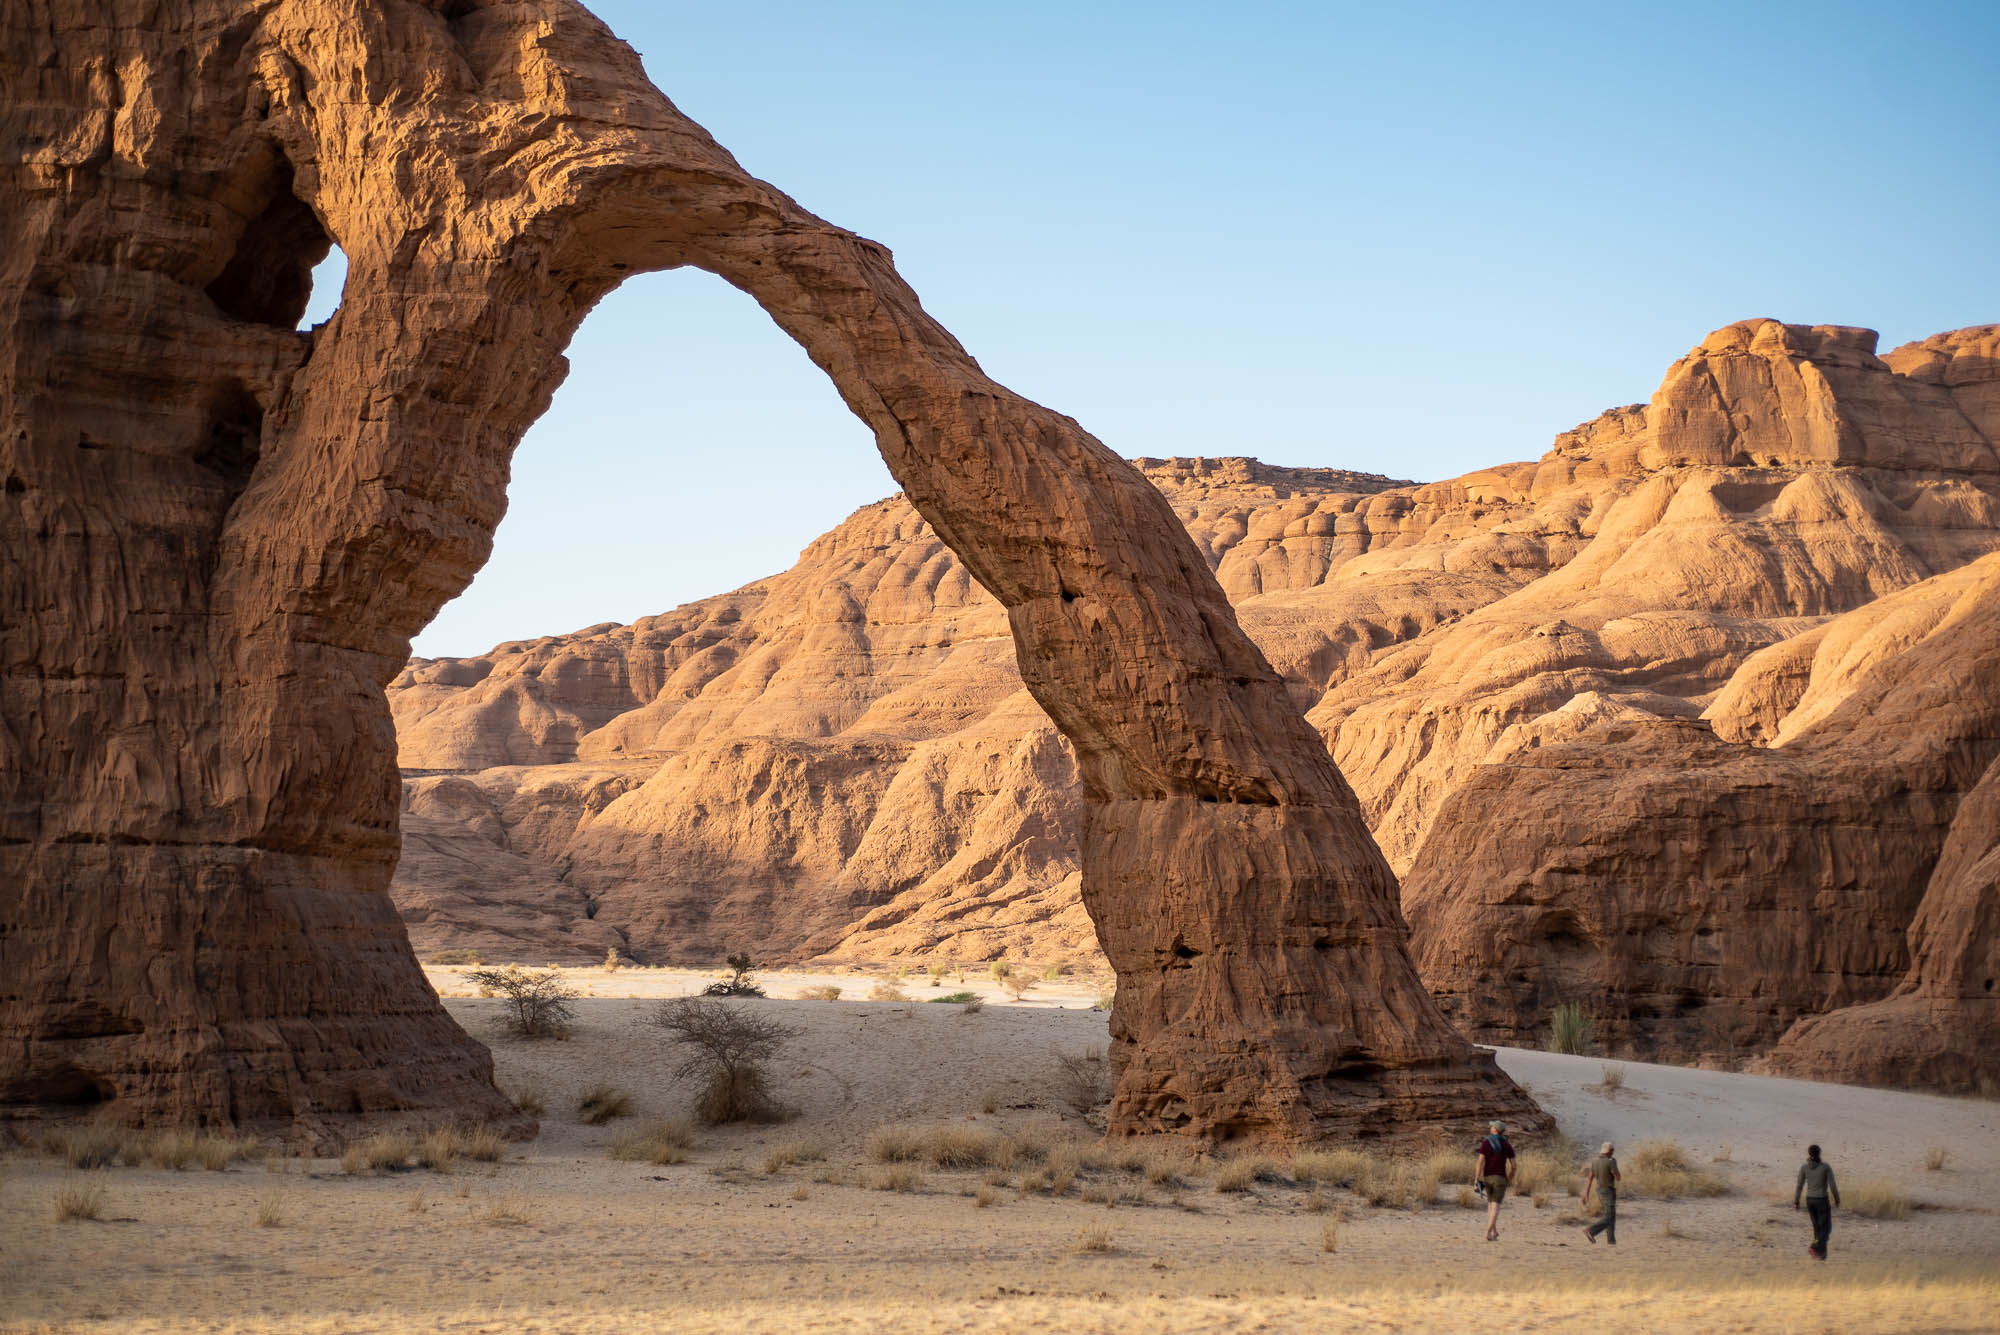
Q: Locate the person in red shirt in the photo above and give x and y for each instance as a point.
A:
(1492, 1170)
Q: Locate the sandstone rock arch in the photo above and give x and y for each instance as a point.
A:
(219, 534)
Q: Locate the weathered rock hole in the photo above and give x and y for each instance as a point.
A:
(269, 278)
(235, 436)
(15, 487)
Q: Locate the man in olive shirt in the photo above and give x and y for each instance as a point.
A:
(1603, 1172)
(1816, 1182)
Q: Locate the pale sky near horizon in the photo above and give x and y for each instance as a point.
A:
(1413, 239)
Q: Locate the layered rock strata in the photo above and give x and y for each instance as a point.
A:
(221, 534)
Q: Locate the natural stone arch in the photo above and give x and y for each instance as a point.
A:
(220, 535)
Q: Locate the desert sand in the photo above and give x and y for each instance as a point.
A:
(557, 1236)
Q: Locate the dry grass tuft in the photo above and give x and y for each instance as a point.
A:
(1317, 1201)
(93, 1146)
(1613, 1078)
(1725, 1154)
(1335, 1168)
(1667, 1230)
(805, 1150)
(510, 1211)
(829, 992)
(985, 1197)
(1329, 1236)
(172, 1150)
(78, 1200)
(656, 1142)
(973, 1007)
(1469, 1199)
(1877, 1198)
(482, 1145)
(271, 1209)
(438, 1150)
(1935, 1157)
(376, 1154)
(419, 1202)
(1090, 1241)
(1660, 1169)
(603, 1103)
(901, 1178)
(802, 1192)
(217, 1152)
(887, 992)
(529, 1100)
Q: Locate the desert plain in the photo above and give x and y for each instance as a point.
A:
(804, 1226)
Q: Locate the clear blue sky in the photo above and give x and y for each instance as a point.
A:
(1412, 239)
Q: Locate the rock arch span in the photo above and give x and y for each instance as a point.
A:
(220, 534)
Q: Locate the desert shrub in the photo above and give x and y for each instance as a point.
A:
(1660, 1169)
(1089, 1241)
(376, 1153)
(985, 1196)
(603, 1103)
(968, 1147)
(1570, 1030)
(727, 1048)
(78, 1200)
(826, 992)
(956, 998)
(438, 1150)
(1541, 1170)
(973, 1006)
(739, 983)
(1335, 1168)
(1468, 1199)
(1236, 1175)
(1000, 970)
(656, 1142)
(794, 1152)
(901, 1178)
(1166, 1167)
(169, 1149)
(1329, 1236)
(93, 1146)
(1063, 1165)
(217, 1152)
(1935, 1157)
(1082, 1080)
(1317, 1201)
(611, 960)
(1877, 1198)
(1613, 1078)
(528, 1100)
(937, 971)
(509, 1211)
(1017, 985)
(538, 1004)
(887, 992)
(1054, 971)
(1103, 1002)
(455, 957)
(271, 1209)
(481, 1145)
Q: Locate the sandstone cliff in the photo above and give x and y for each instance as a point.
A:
(219, 532)
(1696, 585)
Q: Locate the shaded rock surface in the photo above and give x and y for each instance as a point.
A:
(219, 534)
(1674, 599)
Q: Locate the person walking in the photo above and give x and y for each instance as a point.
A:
(1492, 1170)
(1603, 1174)
(1822, 1193)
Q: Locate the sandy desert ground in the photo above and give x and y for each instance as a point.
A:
(557, 1236)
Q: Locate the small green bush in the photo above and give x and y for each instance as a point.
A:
(1570, 1030)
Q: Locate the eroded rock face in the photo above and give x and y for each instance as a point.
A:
(220, 535)
(1651, 637)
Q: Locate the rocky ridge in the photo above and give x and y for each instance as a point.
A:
(839, 761)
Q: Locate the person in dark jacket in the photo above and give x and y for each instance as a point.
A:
(1492, 1170)
(1822, 1193)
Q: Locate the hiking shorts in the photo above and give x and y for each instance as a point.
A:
(1496, 1189)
